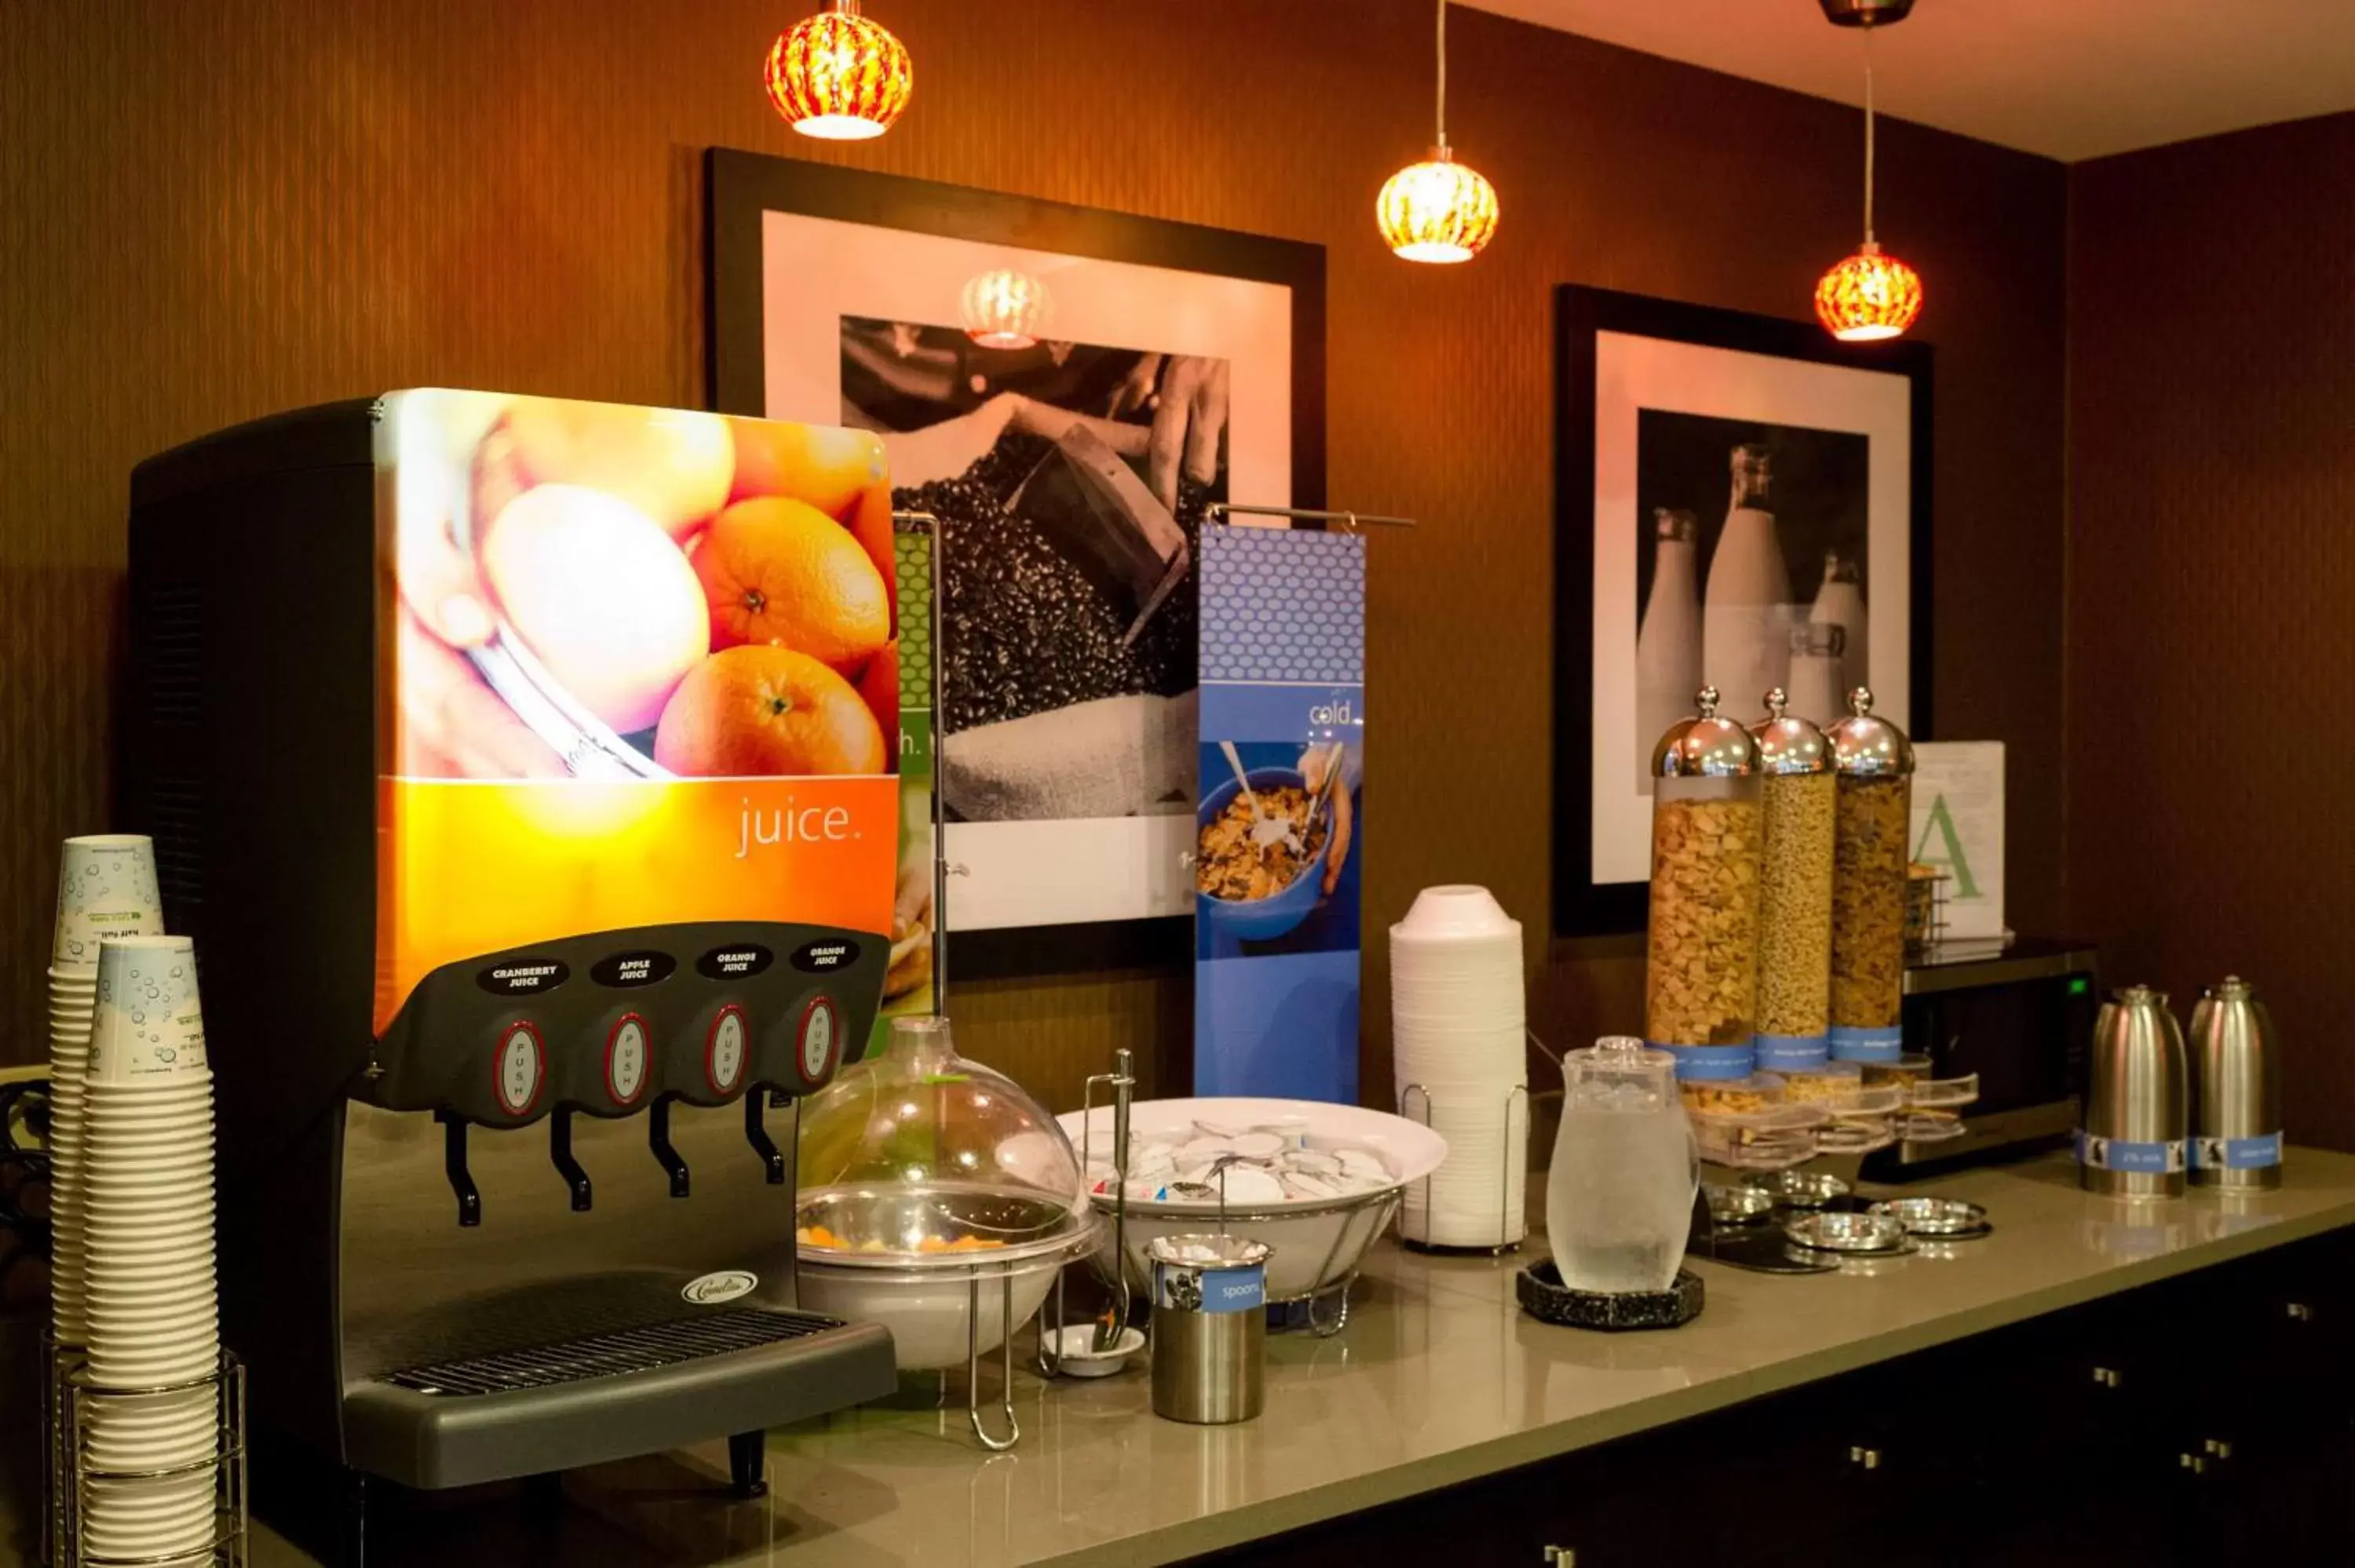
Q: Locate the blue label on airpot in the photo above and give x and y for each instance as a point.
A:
(1850, 1044)
(2123, 1154)
(1787, 1053)
(2236, 1153)
(1714, 1061)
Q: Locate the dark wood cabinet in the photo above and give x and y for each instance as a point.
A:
(2208, 1420)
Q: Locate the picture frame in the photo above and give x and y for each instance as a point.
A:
(1650, 393)
(803, 257)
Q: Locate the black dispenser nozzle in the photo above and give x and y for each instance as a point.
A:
(559, 1151)
(453, 1162)
(757, 1135)
(658, 1139)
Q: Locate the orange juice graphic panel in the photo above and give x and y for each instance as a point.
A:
(625, 666)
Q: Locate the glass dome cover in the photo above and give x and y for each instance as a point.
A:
(918, 1155)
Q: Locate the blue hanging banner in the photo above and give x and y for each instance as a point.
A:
(1279, 816)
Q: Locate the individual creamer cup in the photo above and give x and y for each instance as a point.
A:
(150, 1028)
(106, 887)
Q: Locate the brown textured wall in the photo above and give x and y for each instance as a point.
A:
(211, 212)
(2211, 565)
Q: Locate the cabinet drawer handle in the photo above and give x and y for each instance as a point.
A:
(2219, 1448)
(2193, 1463)
(1869, 1458)
(1561, 1557)
(2106, 1377)
(2299, 1313)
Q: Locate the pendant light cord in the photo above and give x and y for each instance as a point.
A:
(1868, 133)
(1443, 75)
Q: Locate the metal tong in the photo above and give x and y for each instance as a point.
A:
(1123, 1082)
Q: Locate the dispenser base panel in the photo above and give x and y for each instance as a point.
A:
(561, 1406)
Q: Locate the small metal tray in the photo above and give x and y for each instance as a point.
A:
(1848, 1233)
(1928, 1216)
(1800, 1189)
(1738, 1205)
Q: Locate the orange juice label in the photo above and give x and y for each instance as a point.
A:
(474, 868)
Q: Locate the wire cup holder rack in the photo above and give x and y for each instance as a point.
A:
(1511, 1228)
(75, 1406)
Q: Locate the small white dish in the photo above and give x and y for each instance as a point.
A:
(1076, 1344)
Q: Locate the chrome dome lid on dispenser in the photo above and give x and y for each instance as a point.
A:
(1705, 745)
(918, 1158)
(1865, 746)
(1788, 744)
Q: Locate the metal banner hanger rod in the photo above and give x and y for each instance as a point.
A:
(1219, 511)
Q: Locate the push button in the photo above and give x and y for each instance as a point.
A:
(520, 1069)
(724, 1051)
(819, 1031)
(625, 1060)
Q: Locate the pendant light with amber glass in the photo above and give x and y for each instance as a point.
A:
(839, 76)
(1872, 294)
(1439, 209)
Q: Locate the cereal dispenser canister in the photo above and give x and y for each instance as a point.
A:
(1702, 974)
(1874, 766)
(1794, 903)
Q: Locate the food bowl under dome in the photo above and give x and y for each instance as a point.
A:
(922, 1174)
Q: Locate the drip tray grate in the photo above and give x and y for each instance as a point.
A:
(612, 1354)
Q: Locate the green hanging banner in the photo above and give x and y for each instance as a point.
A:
(908, 986)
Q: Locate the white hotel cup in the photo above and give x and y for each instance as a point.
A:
(149, 1028)
(106, 887)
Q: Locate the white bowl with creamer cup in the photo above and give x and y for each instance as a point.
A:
(106, 887)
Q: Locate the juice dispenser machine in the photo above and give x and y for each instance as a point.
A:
(515, 765)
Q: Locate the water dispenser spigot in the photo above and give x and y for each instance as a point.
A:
(559, 1152)
(756, 1133)
(658, 1139)
(453, 1164)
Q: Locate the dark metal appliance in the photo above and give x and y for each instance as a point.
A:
(543, 1217)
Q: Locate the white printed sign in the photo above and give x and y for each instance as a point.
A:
(1958, 828)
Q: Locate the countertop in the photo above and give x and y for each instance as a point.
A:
(1438, 1379)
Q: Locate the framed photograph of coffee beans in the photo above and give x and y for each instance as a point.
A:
(1067, 391)
(1740, 502)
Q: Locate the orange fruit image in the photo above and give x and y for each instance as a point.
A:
(829, 469)
(755, 711)
(779, 570)
(870, 524)
(672, 464)
(880, 687)
(600, 596)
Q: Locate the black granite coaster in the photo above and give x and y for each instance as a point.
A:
(1545, 1298)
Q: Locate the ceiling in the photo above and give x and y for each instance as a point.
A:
(2069, 78)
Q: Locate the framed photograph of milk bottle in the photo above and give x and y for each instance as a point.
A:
(1743, 502)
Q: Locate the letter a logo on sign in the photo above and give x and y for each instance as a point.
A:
(1940, 826)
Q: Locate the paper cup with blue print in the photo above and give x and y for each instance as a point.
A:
(150, 1029)
(106, 887)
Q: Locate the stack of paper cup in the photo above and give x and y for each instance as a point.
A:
(1457, 1022)
(106, 887)
(148, 1229)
